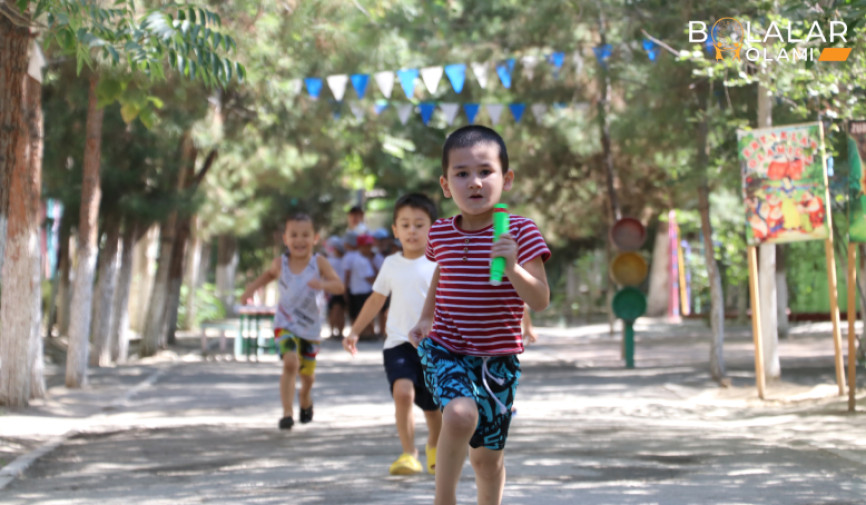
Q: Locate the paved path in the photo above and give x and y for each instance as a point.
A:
(587, 431)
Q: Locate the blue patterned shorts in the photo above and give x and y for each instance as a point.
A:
(449, 375)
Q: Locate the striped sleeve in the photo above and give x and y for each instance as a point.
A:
(530, 243)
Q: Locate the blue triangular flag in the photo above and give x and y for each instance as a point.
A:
(457, 75)
(359, 82)
(380, 106)
(651, 48)
(314, 86)
(557, 59)
(426, 111)
(517, 110)
(407, 78)
(602, 53)
(504, 70)
(471, 110)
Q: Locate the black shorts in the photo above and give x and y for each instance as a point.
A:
(356, 303)
(403, 362)
(336, 301)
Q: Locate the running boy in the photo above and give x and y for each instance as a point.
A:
(470, 358)
(407, 276)
(298, 320)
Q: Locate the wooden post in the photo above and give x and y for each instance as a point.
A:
(852, 320)
(760, 380)
(834, 311)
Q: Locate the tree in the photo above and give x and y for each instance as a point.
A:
(143, 43)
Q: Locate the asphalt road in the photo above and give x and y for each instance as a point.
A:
(187, 431)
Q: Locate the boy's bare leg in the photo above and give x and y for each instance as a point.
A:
(489, 467)
(458, 424)
(305, 395)
(291, 363)
(404, 396)
(434, 426)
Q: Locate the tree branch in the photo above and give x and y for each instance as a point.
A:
(206, 166)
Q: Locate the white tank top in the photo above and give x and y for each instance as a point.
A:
(300, 307)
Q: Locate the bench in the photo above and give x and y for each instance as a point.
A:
(222, 326)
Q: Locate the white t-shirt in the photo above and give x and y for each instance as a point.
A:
(359, 268)
(409, 281)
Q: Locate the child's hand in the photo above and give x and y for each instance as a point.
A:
(350, 343)
(246, 298)
(529, 337)
(316, 284)
(420, 331)
(505, 247)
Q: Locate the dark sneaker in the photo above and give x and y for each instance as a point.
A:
(286, 423)
(306, 414)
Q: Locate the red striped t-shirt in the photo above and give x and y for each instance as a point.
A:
(473, 316)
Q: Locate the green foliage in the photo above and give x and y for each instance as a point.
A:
(208, 306)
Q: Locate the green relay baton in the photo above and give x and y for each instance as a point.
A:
(500, 226)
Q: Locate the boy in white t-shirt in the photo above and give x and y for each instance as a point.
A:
(407, 276)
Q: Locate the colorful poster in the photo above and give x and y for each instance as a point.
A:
(784, 183)
(856, 181)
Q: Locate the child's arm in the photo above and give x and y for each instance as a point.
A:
(369, 311)
(529, 335)
(329, 281)
(529, 280)
(267, 276)
(425, 322)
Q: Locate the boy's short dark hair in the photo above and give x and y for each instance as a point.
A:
(416, 201)
(469, 136)
(300, 217)
(356, 210)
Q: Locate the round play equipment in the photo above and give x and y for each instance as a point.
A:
(628, 269)
(629, 304)
(627, 234)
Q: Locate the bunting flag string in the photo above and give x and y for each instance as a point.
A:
(359, 82)
(471, 110)
(314, 86)
(538, 111)
(431, 77)
(407, 78)
(651, 48)
(457, 75)
(385, 81)
(494, 111)
(480, 71)
(403, 112)
(517, 110)
(426, 109)
(450, 110)
(505, 69)
(337, 83)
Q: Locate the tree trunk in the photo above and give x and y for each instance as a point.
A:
(717, 297)
(119, 334)
(143, 257)
(659, 290)
(193, 271)
(781, 293)
(604, 126)
(154, 320)
(227, 264)
(35, 126)
(91, 194)
(22, 197)
(100, 355)
(64, 288)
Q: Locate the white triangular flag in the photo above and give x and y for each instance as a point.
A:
(529, 62)
(494, 111)
(450, 111)
(403, 112)
(337, 83)
(431, 77)
(295, 87)
(37, 62)
(538, 111)
(385, 81)
(357, 110)
(480, 71)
